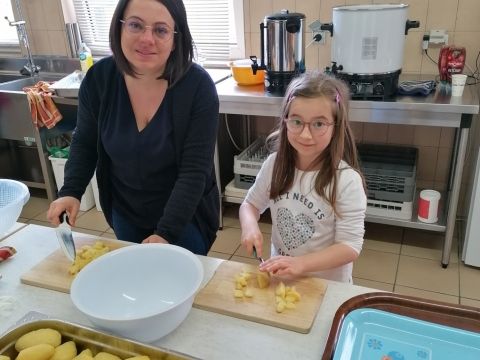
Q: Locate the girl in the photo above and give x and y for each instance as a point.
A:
(312, 185)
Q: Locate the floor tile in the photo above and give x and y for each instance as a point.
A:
(404, 290)
(428, 275)
(94, 220)
(42, 223)
(108, 235)
(34, 207)
(246, 260)
(266, 248)
(376, 265)
(373, 284)
(87, 231)
(470, 302)
(469, 282)
(427, 245)
(230, 216)
(228, 241)
(383, 238)
(219, 255)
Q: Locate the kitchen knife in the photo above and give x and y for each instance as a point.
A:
(258, 257)
(65, 238)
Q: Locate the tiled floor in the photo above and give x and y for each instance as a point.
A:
(404, 261)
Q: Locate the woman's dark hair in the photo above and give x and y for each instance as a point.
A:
(181, 57)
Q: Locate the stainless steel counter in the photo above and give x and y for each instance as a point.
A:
(437, 109)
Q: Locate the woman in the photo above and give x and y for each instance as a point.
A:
(147, 121)
(312, 185)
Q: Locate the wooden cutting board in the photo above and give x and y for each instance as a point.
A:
(217, 296)
(52, 272)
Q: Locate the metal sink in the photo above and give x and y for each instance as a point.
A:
(10, 77)
(16, 85)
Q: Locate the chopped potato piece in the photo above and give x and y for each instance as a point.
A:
(86, 254)
(280, 289)
(248, 293)
(238, 293)
(263, 280)
(4, 357)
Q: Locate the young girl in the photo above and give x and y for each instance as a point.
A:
(312, 185)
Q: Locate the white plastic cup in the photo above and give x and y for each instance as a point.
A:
(428, 206)
(458, 84)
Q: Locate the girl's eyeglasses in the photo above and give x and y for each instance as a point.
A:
(161, 31)
(317, 127)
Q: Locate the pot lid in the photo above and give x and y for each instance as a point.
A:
(284, 14)
(375, 7)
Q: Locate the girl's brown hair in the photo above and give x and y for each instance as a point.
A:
(341, 147)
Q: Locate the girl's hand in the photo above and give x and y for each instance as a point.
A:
(155, 239)
(289, 266)
(67, 203)
(251, 238)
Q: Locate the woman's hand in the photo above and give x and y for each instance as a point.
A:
(155, 239)
(288, 266)
(67, 203)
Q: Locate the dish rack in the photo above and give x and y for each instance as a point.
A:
(248, 163)
(390, 175)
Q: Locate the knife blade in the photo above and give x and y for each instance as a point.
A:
(65, 238)
(258, 257)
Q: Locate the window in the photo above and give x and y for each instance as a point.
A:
(8, 34)
(216, 26)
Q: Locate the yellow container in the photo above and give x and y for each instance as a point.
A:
(243, 74)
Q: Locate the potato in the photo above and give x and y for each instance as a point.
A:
(40, 336)
(263, 280)
(138, 358)
(4, 357)
(106, 356)
(280, 289)
(84, 355)
(86, 254)
(248, 293)
(66, 351)
(36, 352)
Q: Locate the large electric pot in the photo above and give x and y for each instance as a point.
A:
(282, 46)
(369, 39)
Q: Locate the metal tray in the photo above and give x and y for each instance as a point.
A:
(84, 338)
(427, 311)
(69, 85)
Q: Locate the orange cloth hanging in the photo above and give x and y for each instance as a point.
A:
(42, 108)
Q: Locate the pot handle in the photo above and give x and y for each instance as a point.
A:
(410, 24)
(328, 27)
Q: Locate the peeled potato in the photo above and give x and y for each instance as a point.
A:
(84, 355)
(40, 336)
(4, 357)
(138, 358)
(66, 351)
(106, 356)
(263, 280)
(36, 352)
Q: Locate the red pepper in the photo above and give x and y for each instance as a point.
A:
(6, 252)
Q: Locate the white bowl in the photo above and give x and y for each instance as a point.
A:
(13, 195)
(142, 291)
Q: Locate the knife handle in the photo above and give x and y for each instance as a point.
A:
(64, 218)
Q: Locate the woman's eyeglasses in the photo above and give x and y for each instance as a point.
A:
(161, 31)
(317, 127)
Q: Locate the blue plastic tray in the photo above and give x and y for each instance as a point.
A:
(379, 335)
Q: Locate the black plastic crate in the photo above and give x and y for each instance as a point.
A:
(390, 171)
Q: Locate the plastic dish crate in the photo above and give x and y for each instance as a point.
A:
(389, 171)
(58, 166)
(248, 163)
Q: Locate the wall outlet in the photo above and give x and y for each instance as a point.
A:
(318, 35)
(438, 37)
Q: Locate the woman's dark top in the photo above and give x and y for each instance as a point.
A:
(182, 188)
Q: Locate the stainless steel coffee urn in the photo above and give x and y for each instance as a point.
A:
(282, 43)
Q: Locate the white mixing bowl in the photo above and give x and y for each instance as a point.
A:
(13, 195)
(142, 291)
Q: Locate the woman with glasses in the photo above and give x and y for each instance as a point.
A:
(312, 185)
(147, 123)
